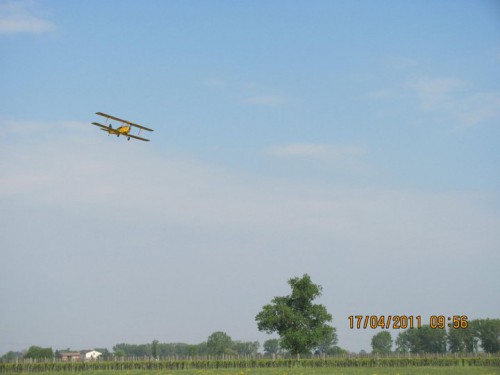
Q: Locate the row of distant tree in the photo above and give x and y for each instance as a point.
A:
(218, 343)
(481, 334)
(303, 328)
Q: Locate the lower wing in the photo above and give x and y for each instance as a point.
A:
(136, 137)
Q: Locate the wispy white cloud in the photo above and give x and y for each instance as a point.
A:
(250, 93)
(436, 92)
(346, 162)
(477, 108)
(447, 97)
(13, 127)
(400, 62)
(457, 99)
(381, 94)
(265, 100)
(21, 17)
(26, 128)
(215, 83)
(316, 151)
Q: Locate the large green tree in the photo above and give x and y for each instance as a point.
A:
(326, 344)
(488, 331)
(423, 340)
(246, 347)
(36, 352)
(219, 343)
(382, 343)
(11, 356)
(463, 340)
(300, 324)
(272, 346)
(132, 350)
(154, 348)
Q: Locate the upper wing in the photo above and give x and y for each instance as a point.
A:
(136, 137)
(124, 121)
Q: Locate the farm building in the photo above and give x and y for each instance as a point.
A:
(69, 356)
(92, 355)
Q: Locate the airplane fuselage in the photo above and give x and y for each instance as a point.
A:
(122, 130)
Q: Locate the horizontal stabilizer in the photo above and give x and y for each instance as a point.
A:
(101, 125)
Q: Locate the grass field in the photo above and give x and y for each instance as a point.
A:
(305, 371)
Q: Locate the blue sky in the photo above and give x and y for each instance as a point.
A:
(357, 142)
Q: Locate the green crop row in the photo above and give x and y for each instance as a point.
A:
(244, 363)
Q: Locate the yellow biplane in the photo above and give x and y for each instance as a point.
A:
(121, 130)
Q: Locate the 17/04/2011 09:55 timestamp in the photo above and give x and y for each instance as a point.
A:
(406, 321)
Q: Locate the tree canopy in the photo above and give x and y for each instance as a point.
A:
(423, 340)
(219, 343)
(272, 346)
(300, 324)
(36, 352)
(382, 343)
(488, 331)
